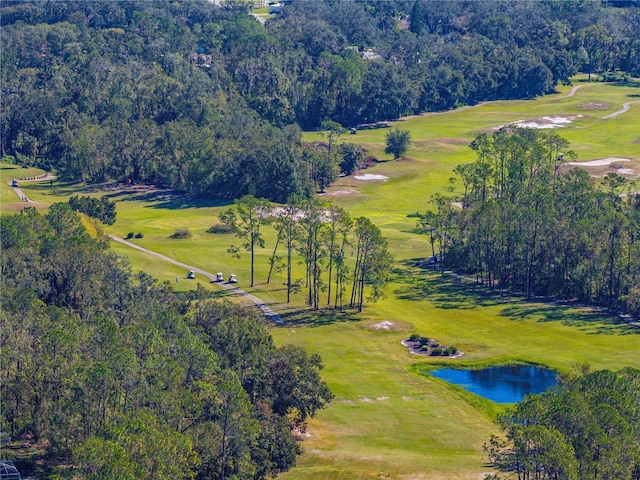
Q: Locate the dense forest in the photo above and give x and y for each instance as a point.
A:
(205, 99)
(587, 428)
(123, 379)
(528, 223)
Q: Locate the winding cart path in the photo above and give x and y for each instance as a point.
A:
(270, 314)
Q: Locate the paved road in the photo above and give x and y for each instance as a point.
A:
(625, 107)
(270, 314)
(19, 191)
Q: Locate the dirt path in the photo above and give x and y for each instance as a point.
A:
(625, 107)
(270, 314)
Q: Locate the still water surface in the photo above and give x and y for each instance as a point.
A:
(501, 384)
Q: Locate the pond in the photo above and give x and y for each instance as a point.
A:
(508, 384)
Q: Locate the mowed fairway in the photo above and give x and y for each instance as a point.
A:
(388, 417)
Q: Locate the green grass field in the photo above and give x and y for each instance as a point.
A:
(389, 416)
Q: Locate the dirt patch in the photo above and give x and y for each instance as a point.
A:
(453, 141)
(343, 192)
(595, 105)
(17, 206)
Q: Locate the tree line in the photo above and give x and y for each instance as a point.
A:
(530, 224)
(321, 234)
(587, 428)
(204, 99)
(120, 378)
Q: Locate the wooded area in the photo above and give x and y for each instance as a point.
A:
(208, 100)
(525, 227)
(119, 375)
(587, 428)
(122, 378)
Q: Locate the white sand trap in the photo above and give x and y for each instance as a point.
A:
(386, 325)
(626, 171)
(603, 162)
(366, 400)
(554, 121)
(547, 122)
(370, 176)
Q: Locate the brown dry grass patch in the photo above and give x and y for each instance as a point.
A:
(595, 105)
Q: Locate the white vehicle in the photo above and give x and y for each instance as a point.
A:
(233, 279)
(219, 277)
(191, 275)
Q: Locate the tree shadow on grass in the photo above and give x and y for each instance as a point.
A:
(585, 318)
(318, 318)
(449, 292)
(444, 291)
(167, 199)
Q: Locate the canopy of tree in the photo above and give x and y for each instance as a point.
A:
(122, 379)
(205, 99)
(588, 428)
(527, 228)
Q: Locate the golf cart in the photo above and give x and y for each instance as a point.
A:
(219, 277)
(233, 279)
(191, 275)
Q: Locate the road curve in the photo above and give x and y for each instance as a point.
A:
(270, 314)
(625, 107)
(573, 91)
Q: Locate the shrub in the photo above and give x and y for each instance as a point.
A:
(436, 352)
(220, 228)
(435, 344)
(451, 351)
(102, 209)
(424, 348)
(414, 337)
(139, 235)
(181, 233)
(424, 340)
(129, 235)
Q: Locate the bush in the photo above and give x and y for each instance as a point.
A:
(139, 235)
(220, 228)
(129, 235)
(102, 209)
(451, 351)
(181, 233)
(424, 348)
(436, 352)
(424, 340)
(414, 337)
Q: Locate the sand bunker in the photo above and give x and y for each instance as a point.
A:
(626, 171)
(386, 325)
(370, 176)
(603, 162)
(553, 121)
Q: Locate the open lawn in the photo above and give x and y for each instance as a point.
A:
(389, 416)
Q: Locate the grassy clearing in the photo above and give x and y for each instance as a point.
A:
(389, 415)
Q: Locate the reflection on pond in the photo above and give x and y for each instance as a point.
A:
(501, 384)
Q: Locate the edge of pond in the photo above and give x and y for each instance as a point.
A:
(484, 406)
